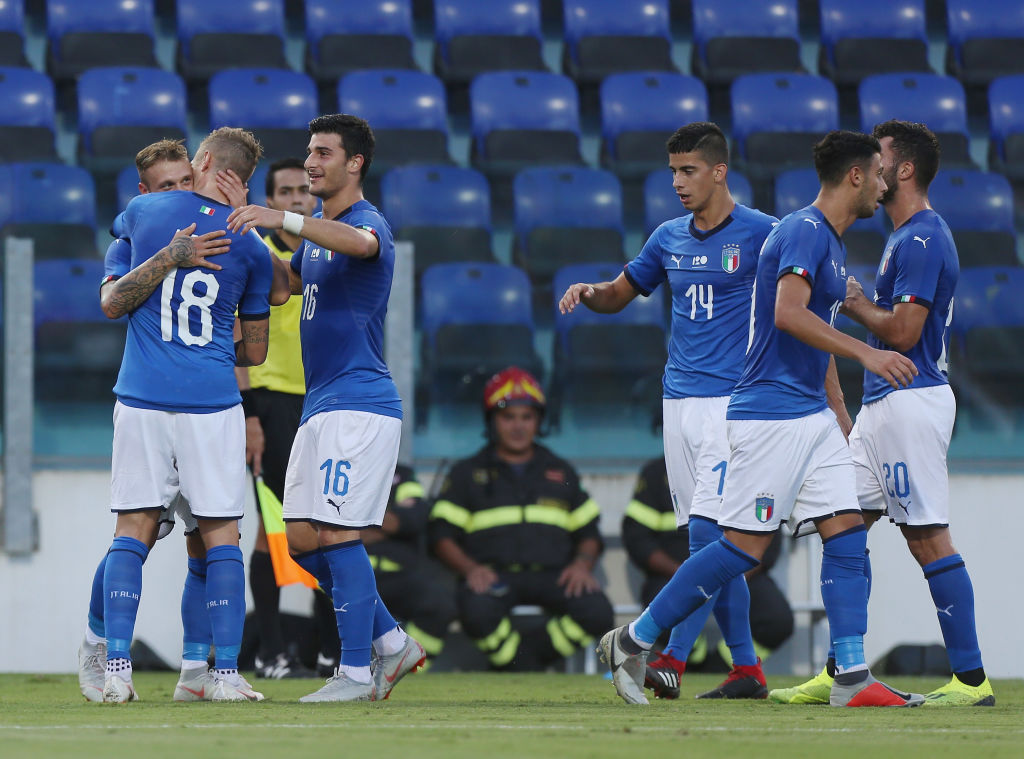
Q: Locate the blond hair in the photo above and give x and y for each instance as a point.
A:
(164, 150)
(232, 148)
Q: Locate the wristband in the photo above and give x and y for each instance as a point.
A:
(248, 404)
(293, 222)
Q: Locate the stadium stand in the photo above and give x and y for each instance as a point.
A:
(12, 37)
(603, 37)
(276, 105)
(223, 34)
(978, 207)
(445, 211)
(476, 320)
(872, 37)
(28, 115)
(1006, 123)
(53, 205)
(986, 40)
(346, 35)
(121, 110)
(736, 37)
(84, 35)
(935, 100)
(474, 37)
(640, 111)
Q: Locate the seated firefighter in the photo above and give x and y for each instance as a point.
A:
(513, 522)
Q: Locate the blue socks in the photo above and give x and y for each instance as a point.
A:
(844, 591)
(122, 588)
(195, 621)
(225, 602)
(355, 596)
(315, 563)
(867, 576)
(953, 594)
(383, 622)
(694, 583)
(96, 601)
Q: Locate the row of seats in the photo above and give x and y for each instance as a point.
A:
(731, 37)
(517, 118)
(561, 214)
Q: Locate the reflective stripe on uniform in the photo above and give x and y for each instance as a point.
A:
(504, 655)
(584, 514)
(652, 519)
(573, 630)
(494, 640)
(407, 490)
(449, 512)
(500, 516)
(384, 564)
(559, 641)
(431, 644)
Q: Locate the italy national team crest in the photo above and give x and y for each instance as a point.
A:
(730, 257)
(764, 507)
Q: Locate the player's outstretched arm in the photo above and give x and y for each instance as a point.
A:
(602, 297)
(251, 350)
(792, 316)
(899, 328)
(327, 233)
(183, 251)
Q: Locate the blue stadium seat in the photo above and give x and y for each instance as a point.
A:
(864, 240)
(84, 35)
(276, 105)
(407, 110)
(736, 37)
(607, 358)
(220, 34)
(604, 37)
(986, 40)
(127, 186)
(640, 111)
(935, 100)
(978, 207)
(868, 37)
(661, 202)
(476, 320)
(777, 118)
(566, 215)
(77, 349)
(27, 115)
(520, 119)
(445, 211)
(121, 110)
(53, 204)
(12, 35)
(988, 320)
(345, 35)
(474, 37)
(1006, 121)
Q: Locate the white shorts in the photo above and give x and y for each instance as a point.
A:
(341, 468)
(899, 446)
(696, 453)
(795, 470)
(158, 453)
(179, 509)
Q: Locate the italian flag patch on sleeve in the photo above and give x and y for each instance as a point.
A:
(206, 210)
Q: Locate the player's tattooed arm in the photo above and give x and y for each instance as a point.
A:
(183, 251)
(251, 350)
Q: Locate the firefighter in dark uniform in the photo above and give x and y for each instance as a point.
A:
(657, 547)
(513, 522)
(411, 585)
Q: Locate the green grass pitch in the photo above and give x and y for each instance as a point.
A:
(486, 716)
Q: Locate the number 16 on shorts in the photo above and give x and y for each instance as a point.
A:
(335, 476)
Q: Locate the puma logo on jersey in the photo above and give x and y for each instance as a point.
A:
(813, 223)
(835, 268)
(707, 596)
(336, 505)
(677, 260)
(947, 611)
(922, 240)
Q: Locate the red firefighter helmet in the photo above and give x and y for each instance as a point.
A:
(513, 387)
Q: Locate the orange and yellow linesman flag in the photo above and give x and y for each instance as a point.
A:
(286, 571)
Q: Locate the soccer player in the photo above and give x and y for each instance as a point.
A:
(272, 401)
(344, 456)
(162, 166)
(788, 456)
(709, 258)
(178, 420)
(901, 438)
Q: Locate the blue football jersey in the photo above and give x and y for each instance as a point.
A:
(180, 353)
(784, 378)
(344, 301)
(919, 265)
(118, 260)
(710, 275)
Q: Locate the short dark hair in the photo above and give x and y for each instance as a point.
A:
(914, 142)
(355, 133)
(841, 150)
(285, 163)
(703, 137)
